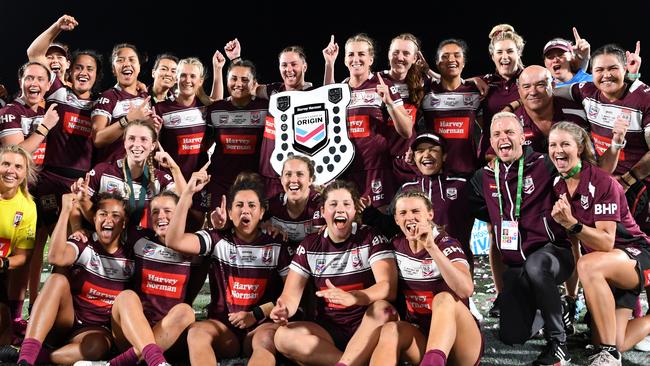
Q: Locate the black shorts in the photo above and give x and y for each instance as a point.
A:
(627, 298)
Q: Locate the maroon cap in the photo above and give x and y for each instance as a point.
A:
(428, 137)
(56, 46)
(559, 43)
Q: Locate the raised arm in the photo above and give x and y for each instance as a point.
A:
(403, 124)
(38, 48)
(582, 52)
(176, 237)
(60, 253)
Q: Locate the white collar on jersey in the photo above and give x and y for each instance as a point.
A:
(355, 226)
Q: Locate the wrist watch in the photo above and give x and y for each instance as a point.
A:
(575, 229)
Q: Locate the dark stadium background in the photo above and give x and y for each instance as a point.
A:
(189, 28)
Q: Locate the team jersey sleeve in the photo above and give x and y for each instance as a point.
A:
(26, 230)
(607, 204)
(95, 178)
(207, 240)
(165, 179)
(380, 249)
(105, 105)
(394, 93)
(284, 260)
(300, 261)
(77, 245)
(9, 122)
(452, 249)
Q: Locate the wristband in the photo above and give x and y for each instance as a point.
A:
(42, 130)
(629, 179)
(238, 58)
(123, 122)
(575, 229)
(258, 314)
(619, 146)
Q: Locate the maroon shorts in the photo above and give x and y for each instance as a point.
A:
(47, 193)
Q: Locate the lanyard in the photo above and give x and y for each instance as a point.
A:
(520, 177)
(137, 209)
(573, 171)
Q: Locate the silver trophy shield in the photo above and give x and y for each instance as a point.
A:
(314, 124)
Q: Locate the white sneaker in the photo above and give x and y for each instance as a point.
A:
(604, 358)
(474, 310)
(643, 345)
(91, 363)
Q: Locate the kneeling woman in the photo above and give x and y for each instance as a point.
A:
(435, 282)
(355, 272)
(77, 306)
(593, 209)
(245, 275)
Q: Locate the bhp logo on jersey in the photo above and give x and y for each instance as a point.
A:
(245, 291)
(6, 118)
(605, 208)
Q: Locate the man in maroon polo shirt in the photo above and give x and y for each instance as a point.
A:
(516, 195)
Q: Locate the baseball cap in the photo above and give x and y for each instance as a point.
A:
(559, 43)
(428, 137)
(58, 47)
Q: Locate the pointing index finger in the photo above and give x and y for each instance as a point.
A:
(381, 81)
(332, 39)
(637, 51)
(576, 35)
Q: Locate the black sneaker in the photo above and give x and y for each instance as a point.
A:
(555, 353)
(495, 311)
(569, 314)
(9, 354)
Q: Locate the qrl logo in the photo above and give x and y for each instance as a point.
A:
(605, 208)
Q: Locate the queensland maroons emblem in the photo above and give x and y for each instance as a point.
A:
(314, 124)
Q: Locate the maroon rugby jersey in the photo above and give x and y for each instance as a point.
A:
(96, 278)
(419, 278)
(237, 133)
(242, 275)
(398, 145)
(17, 117)
(367, 126)
(536, 226)
(109, 177)
(599, 197)
(114, 104)
(601, 114)
(453, 115)
(347, 265)
(161, 274)
(182, 133)
(69, 143)
(448, 195)
(307, 223)
(563, 111)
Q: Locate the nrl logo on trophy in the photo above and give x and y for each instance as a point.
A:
(314, 124)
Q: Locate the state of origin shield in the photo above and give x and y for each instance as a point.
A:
(314, 124)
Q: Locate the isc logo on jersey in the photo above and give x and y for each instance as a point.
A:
(605, 208)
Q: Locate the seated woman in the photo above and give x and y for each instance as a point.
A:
(591, 205)
(354, 270)
(245, 275)
(151, 318)
(76, 307)
(435, 284)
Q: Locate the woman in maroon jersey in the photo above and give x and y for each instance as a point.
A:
(164, 74)
(245, 275)
(119, 105)
(77, 307)
(135, 176)
(592, 208)
(438, 325)
(297, 210)
(353, 270)
(373, 102)
(152, 316)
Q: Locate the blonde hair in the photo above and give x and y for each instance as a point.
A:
(505, 32)
(362, 37)
(504, 115)
(31, 169)
(581, 138)
(193, 61)
(415, 75)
